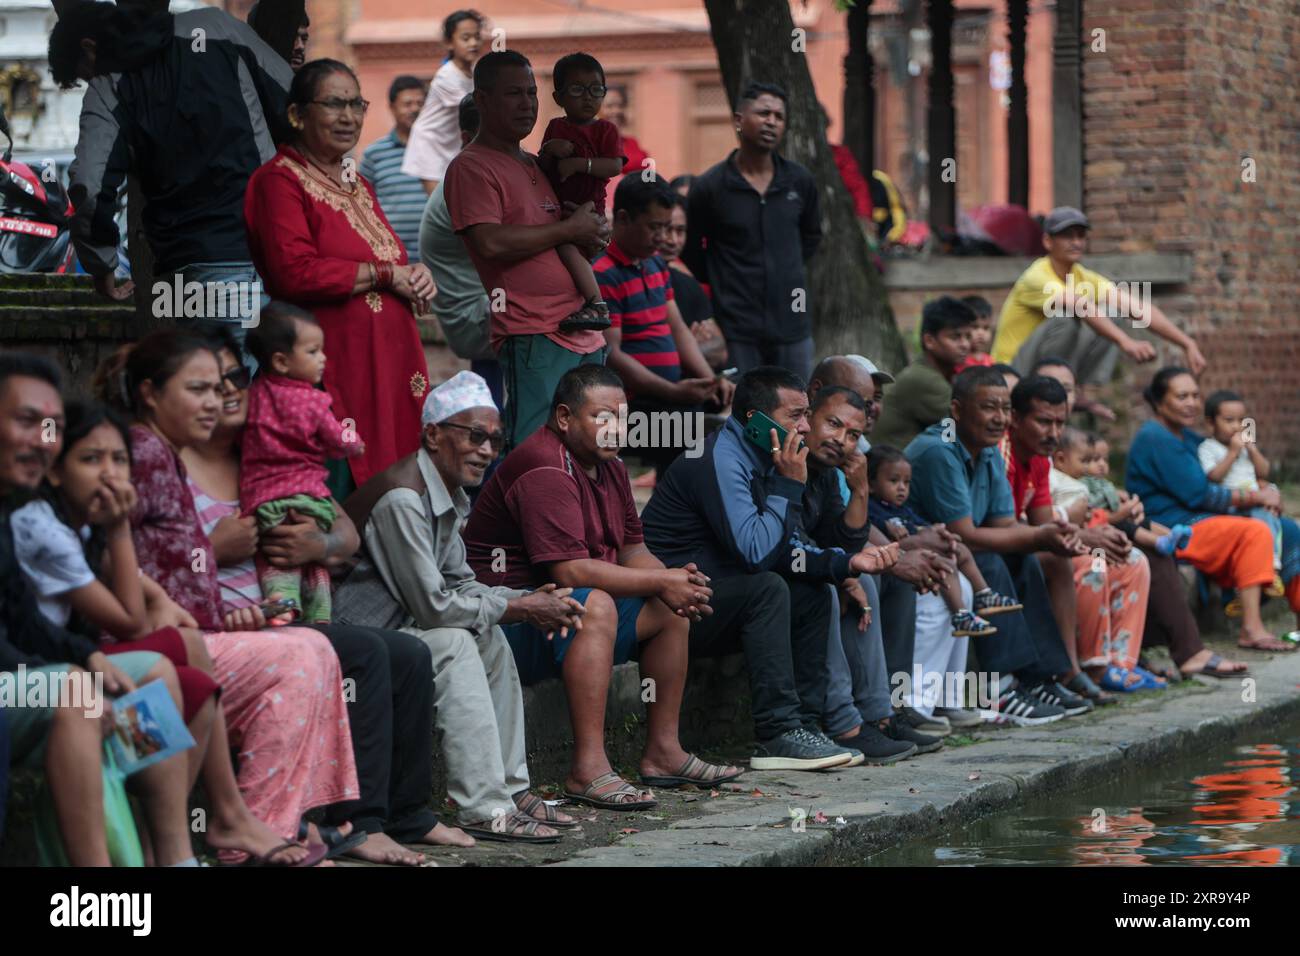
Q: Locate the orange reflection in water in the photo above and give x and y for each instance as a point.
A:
(1251, 795)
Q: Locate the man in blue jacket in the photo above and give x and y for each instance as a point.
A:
(737, 513)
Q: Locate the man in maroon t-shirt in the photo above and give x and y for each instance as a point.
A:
(508, 215)
(560, 509)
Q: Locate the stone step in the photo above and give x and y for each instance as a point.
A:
(43, 280)
(29, 323)
(715, 712)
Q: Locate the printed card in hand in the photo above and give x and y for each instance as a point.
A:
(147, 728)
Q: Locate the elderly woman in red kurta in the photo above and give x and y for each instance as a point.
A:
(320, 241)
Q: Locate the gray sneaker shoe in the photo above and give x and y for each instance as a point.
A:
(935, 726)
(799, 749)
(959, 718)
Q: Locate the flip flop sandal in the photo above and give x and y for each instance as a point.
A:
(694, 771)
(532, 804)
(1081, 683)
(335, 843)
(1272, 646)
(589, 798)
(1150, 678)
(1211, 669)
(1115, 678)
(315, 854)
(515, 827)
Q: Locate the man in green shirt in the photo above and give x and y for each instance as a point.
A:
(923, 393)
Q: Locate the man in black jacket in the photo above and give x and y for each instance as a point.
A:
(752, 222)
(190, 103)
(65, 736)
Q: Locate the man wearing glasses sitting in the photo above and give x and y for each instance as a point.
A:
(413, 575)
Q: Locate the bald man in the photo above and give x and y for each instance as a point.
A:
(925, 557)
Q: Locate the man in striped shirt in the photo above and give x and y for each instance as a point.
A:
(650, 347)
(401, 197)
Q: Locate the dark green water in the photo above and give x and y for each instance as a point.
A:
(1238, 806)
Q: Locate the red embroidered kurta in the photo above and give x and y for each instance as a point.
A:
(307, 236)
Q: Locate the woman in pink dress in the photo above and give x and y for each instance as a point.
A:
(282, 690)
(320, 241)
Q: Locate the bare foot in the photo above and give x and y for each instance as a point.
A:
(247, 834)
(381, 848)
(443, 835)
(1263, 640)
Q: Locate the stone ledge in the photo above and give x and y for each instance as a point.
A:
(997, 272)
(884, 806)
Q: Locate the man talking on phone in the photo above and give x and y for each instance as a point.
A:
(735, 512)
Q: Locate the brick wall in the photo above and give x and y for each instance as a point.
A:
(1184, 92)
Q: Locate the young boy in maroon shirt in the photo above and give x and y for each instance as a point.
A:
(579, 155)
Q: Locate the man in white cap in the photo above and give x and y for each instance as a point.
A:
(413, 575)
(1059, 308)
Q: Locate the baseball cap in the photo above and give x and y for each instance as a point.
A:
(1062, 218)
(876, 374)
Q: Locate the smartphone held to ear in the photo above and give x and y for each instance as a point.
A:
(759, 432)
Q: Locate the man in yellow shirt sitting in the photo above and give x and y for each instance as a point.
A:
(1059, 308)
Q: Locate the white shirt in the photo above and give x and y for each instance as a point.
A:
(1240, 477)
(52, 557)
(435, 134)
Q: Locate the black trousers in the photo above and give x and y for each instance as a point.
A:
(751, 613)
(1169, 620)
(1028, 643)
(388, 679)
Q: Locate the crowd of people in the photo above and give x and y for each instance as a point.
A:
(317, 622)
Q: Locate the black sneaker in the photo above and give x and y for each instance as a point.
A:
(1016, 707)
(898, 729)
(878, 748)
(799, 749)
(1050, 692)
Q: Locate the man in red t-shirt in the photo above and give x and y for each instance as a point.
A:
(1038, 414)
(509, 217)
(560, 509)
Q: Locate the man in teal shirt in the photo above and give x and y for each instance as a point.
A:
(959, 480)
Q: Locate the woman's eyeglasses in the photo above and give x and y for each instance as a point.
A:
(477, 436)
(238, 377)
(336, 105)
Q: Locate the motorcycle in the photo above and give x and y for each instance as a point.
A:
(35, 217)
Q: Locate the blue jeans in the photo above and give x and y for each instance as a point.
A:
(537, 658)
(238, 314)
(857, 690)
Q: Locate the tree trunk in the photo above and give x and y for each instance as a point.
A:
(756, 39)
(860, 89)
(1018, 113)
(941, 123)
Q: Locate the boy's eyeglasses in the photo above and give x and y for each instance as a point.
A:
(239, 377)
(477, 436)
(596, 91)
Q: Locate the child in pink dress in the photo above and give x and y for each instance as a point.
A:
(290, 433)
(579, 155)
